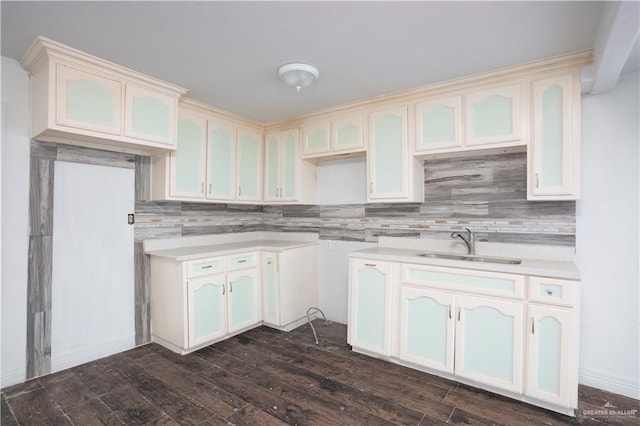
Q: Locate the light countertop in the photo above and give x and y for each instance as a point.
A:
(562, 269)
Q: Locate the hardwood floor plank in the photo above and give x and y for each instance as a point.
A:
(252, 416)
(37, 408)
(6, 416)
(502, 409)
(172, 402)
(210, 396)
(271, 402)
(92, 412)
(131, 407)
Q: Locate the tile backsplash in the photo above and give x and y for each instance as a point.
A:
(484, 193)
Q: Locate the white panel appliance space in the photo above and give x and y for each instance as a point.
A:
(93, 266)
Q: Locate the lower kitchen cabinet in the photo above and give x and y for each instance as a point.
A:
(290, 286)
(479, 327)
(198, 302)
(427, 328)
(207, 309)
(489, 341)
(370, 306)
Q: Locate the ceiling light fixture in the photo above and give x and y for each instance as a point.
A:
(298, 75)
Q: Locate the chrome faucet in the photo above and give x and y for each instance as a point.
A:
(469, 239)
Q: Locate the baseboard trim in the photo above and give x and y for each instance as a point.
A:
(609, 382)
(13, 376)
(91, 353)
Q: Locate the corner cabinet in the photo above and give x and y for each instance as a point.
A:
(394, 175)
(554, 152)
(287, 178)
(290, 286)
(80, 99)
(513, 334)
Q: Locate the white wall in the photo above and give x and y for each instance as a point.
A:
(607, 239)
(339, 182)
(15, 225)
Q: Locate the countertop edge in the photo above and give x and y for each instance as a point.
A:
(534, 267)
(209, 251)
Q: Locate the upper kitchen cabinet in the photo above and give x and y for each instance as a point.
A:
(216, 160)
(394, 176)
(287, 178)
(439, 124)
(554, 152)
(83, 100)
(326, 138)
(149, 115)
(494, 115)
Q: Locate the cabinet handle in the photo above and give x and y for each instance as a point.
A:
(207, 267)
(459, 309)
(537, 180)
(223, 289)
(369, 264)
(533, 325)
(371, 187)
(202, 187)
(449, 311)
(242, 260)
(230, 287)
(209, 188)
(239, 191)
(549, 292)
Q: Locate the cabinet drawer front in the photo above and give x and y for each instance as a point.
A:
(553, 291)
(241, 261)
(202, 267)
(480, 282)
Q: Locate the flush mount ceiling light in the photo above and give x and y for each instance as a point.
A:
(298, 75)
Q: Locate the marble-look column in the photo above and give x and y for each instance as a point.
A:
(141, 260)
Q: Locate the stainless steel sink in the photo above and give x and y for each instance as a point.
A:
(472, 258)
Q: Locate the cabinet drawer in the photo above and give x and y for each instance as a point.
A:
(480, 282)
(202, 267)
(241, 261)
(553, 291)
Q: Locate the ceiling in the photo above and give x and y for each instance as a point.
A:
(227, 53)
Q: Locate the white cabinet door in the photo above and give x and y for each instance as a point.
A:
(387, 158)
(493, 115)
(245, 303)
(270, 288)
(489, 341)
(369, 306)
(188, 162)
(549, 360)
(554, 151)
(88, 101)
(221, 161)
(426, 328)
(347, 134)
(249, 166)
(207, 309)
(281, 166)
(149, 115)
(439, 124)
(315, 139)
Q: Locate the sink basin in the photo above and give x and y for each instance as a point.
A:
(472, 258)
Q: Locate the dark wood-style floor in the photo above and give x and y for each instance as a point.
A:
(265, 377)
